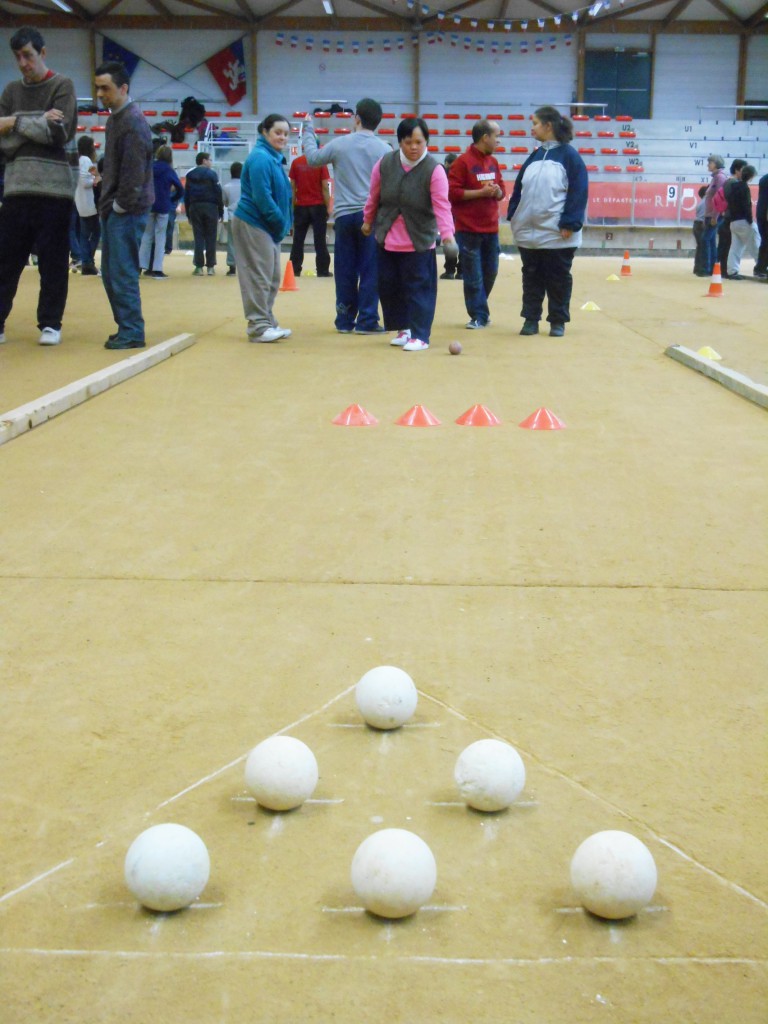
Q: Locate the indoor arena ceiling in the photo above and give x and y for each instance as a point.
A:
(621, 16)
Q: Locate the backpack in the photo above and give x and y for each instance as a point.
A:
(719, 202)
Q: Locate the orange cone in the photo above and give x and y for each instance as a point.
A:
(418, 416)
(289, 279)
(478, 416)
(355, 416)
(542, 419)
(626, 270)
(716, 284)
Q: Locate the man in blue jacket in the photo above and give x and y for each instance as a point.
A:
(204, 204)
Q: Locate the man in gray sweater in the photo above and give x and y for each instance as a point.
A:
(354, 256)
(38, 116)
(127, 194)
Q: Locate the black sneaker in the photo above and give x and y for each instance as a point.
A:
(530, 327)
(231, 272)
(378, 329)
(117, 344)
(557, 330)
(159, 275)
(326, 274)
(446, 276)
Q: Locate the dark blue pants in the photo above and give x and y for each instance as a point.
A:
(355, 272)
(90, 233)
(39, 224)
(204, 218)
(709, 243)
(120, 240)
(317, 218)
(479, 267)
(547, 272)
(408, 291)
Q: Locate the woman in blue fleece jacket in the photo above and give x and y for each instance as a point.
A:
(261, 221)
(547, 209)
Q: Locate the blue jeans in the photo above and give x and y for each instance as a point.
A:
(479, 267)
(709, 245)
(90, 233)
(355, 267)
(408, 289)
(120, 240)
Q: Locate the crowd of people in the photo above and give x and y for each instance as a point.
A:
(391, 209)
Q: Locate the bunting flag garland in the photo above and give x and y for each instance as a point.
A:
(228, 68)
(339, 46)
(369, 46)
(523, 46)
(539, 45)
(400, 42)
(326, 46)
(279, 38)
(355, 46)
(386, 45)
(467, 43)
(309, 43)
(294, 42)
(568, 39)
(480, 46)
(494, 46)
(507, 46)
(454, 39)
(552, 43)
(111, 50)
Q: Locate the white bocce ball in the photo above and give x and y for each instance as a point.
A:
(167, 867)
(386, 697)
(490, 775)
(613, 874)
(281, 773)
(393, 872)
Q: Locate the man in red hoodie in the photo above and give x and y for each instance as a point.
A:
(475, 189)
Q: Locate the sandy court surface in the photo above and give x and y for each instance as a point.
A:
(198, 558)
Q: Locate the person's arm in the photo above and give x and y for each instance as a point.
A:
(219, 195)
(262, 197)
(438, 190)
(517, 191)
(316, 157)
(132, 161)
(572, 217)
(372, 202)
(177, 189)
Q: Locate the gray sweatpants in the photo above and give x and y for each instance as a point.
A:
(258, 271)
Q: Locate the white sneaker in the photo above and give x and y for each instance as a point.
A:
(211, 271)
(50, 336)
(401, 339)
(2, 337)
(271, 334)
(285, 332)
(416, 345)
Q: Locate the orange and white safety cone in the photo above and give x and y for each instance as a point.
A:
(626, 270)
(289, 279)
(716, 285)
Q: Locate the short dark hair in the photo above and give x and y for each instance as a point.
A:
(450, 158)
(562, 127)
(408, 126)
(200, 157)
(236, 169)
(369, 111)
(737, 165)
(27, 34)
(748, 172)
(86, 147)
(702, 191)
(116, 71)
(164, 153)
(481, 128)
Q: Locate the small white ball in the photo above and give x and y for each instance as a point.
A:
(386, 697)
(167, 867)
(490, 775)
(393, 872)
(613, 874)
(281, 772)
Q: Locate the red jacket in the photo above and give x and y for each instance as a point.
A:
(470, 171)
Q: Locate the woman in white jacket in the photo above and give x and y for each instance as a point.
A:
(547, 210)
(88, 177)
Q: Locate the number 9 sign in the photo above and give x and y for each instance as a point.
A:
(671, 195)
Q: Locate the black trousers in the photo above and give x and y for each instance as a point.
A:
(204, 218)
(547, 272)
(38, 223)
(317, 218)
(723, 243)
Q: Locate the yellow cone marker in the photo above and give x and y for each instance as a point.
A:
(613, 277)
(591, 307)
(709, 353)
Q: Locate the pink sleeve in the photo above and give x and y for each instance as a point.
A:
(438, 188)
(372, 202)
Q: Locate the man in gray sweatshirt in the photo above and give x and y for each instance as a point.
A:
(38, 116)
(127, 194)
(354, 256)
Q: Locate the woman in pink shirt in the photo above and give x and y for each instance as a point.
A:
(407, 210)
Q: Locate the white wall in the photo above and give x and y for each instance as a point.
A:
(692, 72)
(757, 68)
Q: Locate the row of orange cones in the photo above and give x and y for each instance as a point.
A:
(420, 416)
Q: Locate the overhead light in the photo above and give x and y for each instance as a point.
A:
(596, 8)
(63, 6)
(327, 7)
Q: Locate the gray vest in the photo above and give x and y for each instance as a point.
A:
(407, 193)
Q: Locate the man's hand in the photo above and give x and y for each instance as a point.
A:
(565, 233)
(54, 115)
(6, 124)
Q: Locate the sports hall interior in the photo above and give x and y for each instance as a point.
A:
(198, 557)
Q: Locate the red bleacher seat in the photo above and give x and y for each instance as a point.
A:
(387, 115)
(518, 149)
(631, 152)
(81, 127)
(608, 150)
(321, 131)
(612, 167)
(580, 117)
(471, 117)
(403, 116)
(515, 117)
(450, 117)
(300, 113)
(345, 113)
(384, 131)
(150, 113)
(452, 149)
(583, 135)
(190, 131)
(602, 117)
(169, 113)
(605, 135)
(623, 117)
(179, 145)
(430, 117)
(627, 135)
(234, 113)
(494, 117)
(97, 145)
(103, 113)
(503, 167)
(500, 149)
(98, 128)
(324, 113)
(586, 149)
(592, 167)
(294, 129)
(634, 169)
(341, 131)
(451, 131)
(233, 128)
(516, 167)
(433, 149)
(519, 132)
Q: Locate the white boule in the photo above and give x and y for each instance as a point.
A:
(613, 874)
(386, 697)
(167, 867)
(281, 772)
(490, 775)
(393, 872)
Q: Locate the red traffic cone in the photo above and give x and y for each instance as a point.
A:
(626, 270)
(716, 284)
(418, 416)
(478, 416)
(542, 419)
(289, 279)
(355, 416)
